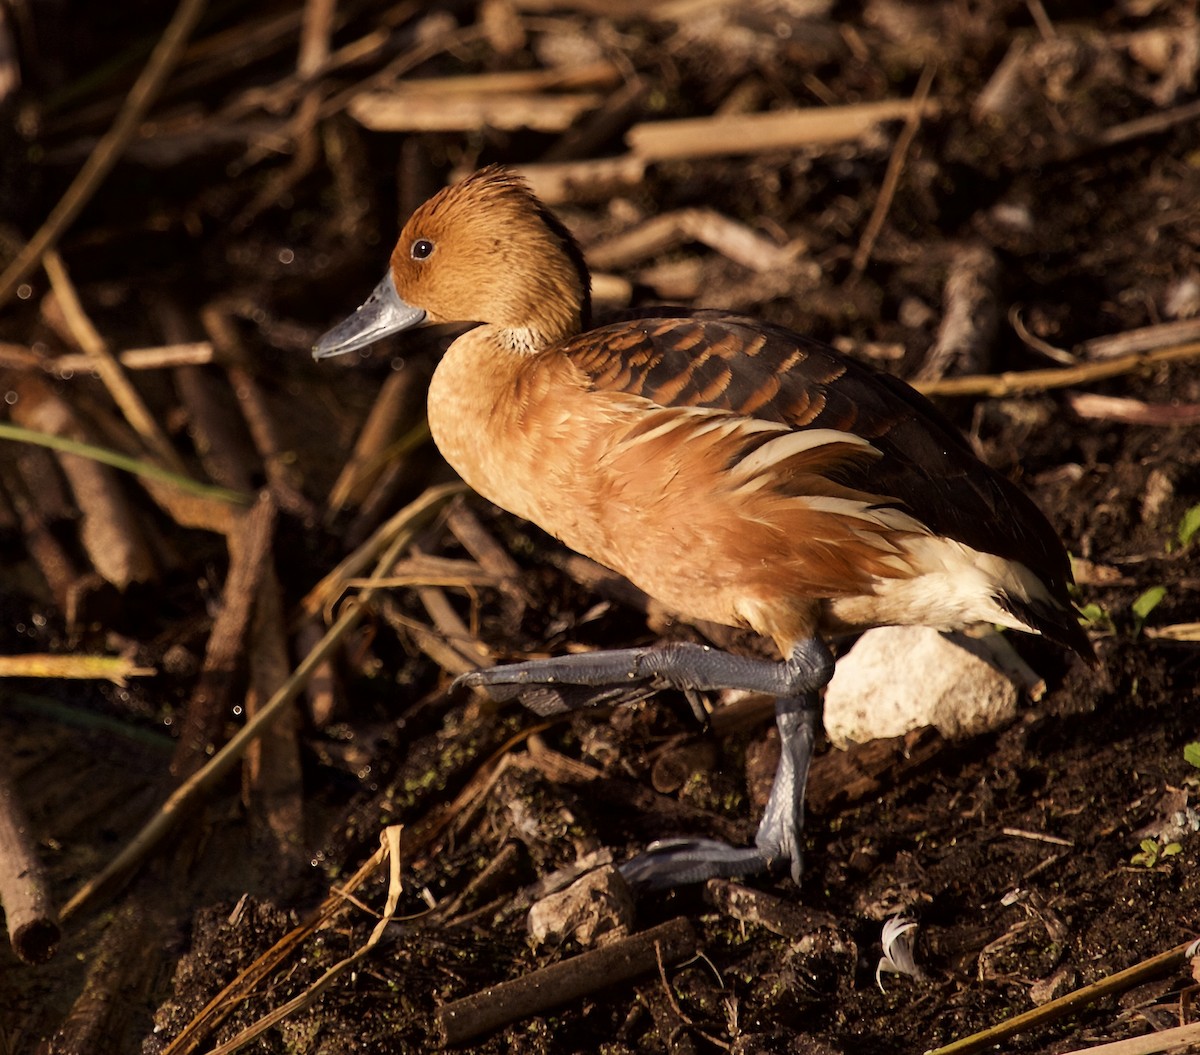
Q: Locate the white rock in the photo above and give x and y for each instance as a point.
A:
(896, 679)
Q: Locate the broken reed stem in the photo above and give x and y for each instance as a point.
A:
(112, 144)
(190, 791)
(24, 893)
(1019, 382)
(560, 983)
(124, 462)
(1064, 1005)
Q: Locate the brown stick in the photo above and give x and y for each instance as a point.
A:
(100, 162)
(24, 893)
(560, 983)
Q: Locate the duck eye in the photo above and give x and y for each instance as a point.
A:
(421, 248)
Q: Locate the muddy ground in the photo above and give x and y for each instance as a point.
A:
(1033, 206)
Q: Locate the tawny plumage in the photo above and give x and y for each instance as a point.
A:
(734, 470)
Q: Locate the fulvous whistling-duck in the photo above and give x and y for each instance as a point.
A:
(736, 471)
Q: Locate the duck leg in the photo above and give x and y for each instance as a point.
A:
(673, 862)
(552, 686)
(680, 666)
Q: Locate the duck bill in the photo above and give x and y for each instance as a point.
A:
(382, 313)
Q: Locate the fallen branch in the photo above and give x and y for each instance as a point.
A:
(560, 983)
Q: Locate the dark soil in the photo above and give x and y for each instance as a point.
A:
(230, 220)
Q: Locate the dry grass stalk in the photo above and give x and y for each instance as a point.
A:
(1132, 411)
(165, 357)
(403, 524)
(1143, 339)
(230, 998)
(374, 449)
(917, 109)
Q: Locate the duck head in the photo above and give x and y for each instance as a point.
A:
(485, 250)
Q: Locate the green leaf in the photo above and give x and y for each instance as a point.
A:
(1095, 616)
(1191, 753)
(1146, 604)
(1189, 525)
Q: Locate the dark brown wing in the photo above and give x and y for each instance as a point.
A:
(729, 362)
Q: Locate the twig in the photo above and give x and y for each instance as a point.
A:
(1152, 124)
(101, 160)
(970, 317)
(1021, 381)
(1037, 837)
(110, 530)
(190, 353)
(891, 178)
(1064, 1005)
(24, 893)
(560, 983)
